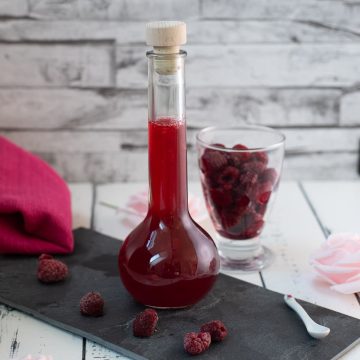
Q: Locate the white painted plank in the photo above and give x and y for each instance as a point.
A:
(56, 65)
(115, 10)
(321, 166)
(294, 234)
(298, 141)
(271, 107)
(13, 8)
(127, 166)
(336, 203)
(97, 352)
(353, 354)
(81, 109)
(127, 109)
(350, 109)
(327, 13)
(109, 222)
(199, 32)
(104, 156)
(21, 335)
(81, 203)
(302, 65)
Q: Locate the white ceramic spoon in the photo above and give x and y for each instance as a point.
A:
(314, 329)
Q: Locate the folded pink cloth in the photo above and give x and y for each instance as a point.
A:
(338, 262)
(35, 205)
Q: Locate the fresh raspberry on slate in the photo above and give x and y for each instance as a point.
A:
(45, 257)
(92, 304)
(263, 192)
(228, 177)
(221, 197)
(269, 174)
(145, 323)
(260, 156)
(216, 328)
(196, 343)
(51, 271)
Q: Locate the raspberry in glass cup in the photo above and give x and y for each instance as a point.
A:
(240, 170)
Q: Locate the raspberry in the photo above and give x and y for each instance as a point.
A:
(216, 328)
(240, 147)
(264, 192)
(260, 209)
(253, 166)
(212, 161)
(228, 177)
(145, 323)
(260, 156)
(247, 182)
(253, 223)
(45, 257)
(196, 343)
(51, 271)
(268, 175)
(92, 304)
(253, 230)
(221, 197)
(222, 146)
(232, 216)
(239, 157)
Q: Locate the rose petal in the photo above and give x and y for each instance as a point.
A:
(338, 262)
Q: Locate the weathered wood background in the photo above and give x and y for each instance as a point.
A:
(73, 79)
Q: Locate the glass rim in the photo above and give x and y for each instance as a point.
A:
(241, 127)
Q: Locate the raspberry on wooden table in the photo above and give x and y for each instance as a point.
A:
(51, 270)
(92, 304)
(216, 328)
(145, 323)
(196, 343)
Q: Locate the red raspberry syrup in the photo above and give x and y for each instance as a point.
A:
(168, 261)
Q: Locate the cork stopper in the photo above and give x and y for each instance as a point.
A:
(166, 36)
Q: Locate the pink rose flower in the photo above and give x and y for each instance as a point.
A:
(338, 262)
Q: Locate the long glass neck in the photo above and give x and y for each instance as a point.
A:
(167, 135)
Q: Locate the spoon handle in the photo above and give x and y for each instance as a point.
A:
(304, 316)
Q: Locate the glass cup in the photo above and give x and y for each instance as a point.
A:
(240, 169)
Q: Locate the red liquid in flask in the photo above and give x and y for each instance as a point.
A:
(168, 261)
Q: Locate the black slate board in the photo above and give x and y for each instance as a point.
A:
(260, 325)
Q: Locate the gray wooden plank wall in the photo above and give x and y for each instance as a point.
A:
(73, 79)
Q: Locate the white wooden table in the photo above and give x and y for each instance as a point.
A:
(302, 216)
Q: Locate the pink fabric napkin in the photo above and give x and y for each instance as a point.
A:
(137, 206)
(35, 205)
(338, 262)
